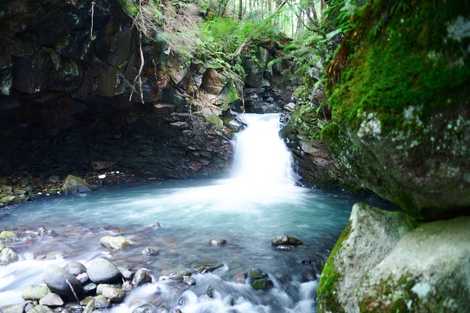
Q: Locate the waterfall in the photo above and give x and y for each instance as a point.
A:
(262, 159)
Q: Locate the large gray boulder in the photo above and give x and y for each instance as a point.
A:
(384, 263)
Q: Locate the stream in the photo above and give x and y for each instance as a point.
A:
(257, 201)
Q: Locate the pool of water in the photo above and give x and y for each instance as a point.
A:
(257, 202)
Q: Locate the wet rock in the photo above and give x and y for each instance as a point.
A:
(112, 292)
(51, 300)
(126, 273)
(207, 267)
(83, 278)
(90, 289)
(35, 292)
(73, 308)
(100, 270)
(260, 280)
(7, 256)
(101, 302)
(75, 184)
(146, 308)
(142, 276)
(189, 280)
(217, 242)
(149, 251)
(7, 235)
(63, 283)
(114, 242)
(75, 268)
(40, 309)
(286, 240)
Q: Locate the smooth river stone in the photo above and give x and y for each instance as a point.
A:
(7, 256)
(63, 283)
(75, 268)
(52, 300)
(102, 271)
(114, 242)
(35, 292)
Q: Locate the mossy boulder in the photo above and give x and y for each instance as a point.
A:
(386, 263)
(398, 91)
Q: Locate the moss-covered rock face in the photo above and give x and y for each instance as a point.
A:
(386, 263)
(399, 95)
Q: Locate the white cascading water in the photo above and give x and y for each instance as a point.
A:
(261, 158)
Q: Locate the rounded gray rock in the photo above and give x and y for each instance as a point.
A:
(63, 283)
(75, 268)
(102, 271)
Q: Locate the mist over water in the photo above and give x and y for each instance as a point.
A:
(257, 201)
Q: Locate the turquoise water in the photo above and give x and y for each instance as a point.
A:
(257, 202)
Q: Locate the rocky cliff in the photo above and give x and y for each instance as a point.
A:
(77, 96)
(399, 126)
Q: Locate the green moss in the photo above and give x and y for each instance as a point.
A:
(215, 120)
(403, 59)
(390, 296)
(129, 7)
(326, 292)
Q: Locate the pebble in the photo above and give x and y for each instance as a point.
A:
(52, 300)
(112, 292)
(7, 256)
(35, 292)
(217, 242)
(149, 251)
(142, 276)
(115, 242)
(75, 268)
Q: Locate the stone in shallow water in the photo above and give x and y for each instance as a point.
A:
(35, 292)
(101, 271)
(7, 234)
(75, 268)
(207, 267)
(217, 242)
(149, 251)
(259, 280)
(142, 276)
(63, 283)
(112, 292)
(52, 300)
(286, 240)
(7, 256)
(114, 242)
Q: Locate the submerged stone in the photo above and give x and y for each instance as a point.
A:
(115, 242)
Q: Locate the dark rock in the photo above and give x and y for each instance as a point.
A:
(260, 280)
(74, 184)
(63, 283)
(101, 270)
(217, 242)
(285, 240)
